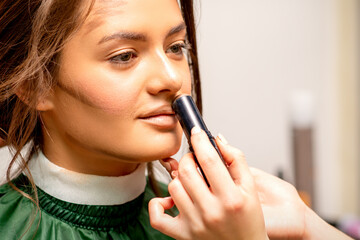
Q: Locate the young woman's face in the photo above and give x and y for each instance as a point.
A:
(118, 76)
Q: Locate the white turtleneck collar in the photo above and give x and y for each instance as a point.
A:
(87, 189)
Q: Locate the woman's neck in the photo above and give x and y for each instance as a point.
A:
(85, 161)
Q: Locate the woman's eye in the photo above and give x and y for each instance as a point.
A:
(123, 58)
(177, 48)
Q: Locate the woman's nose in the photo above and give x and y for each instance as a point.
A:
(165, 75)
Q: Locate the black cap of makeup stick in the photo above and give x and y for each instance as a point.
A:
(188, 115)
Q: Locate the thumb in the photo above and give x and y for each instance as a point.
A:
(160, 220)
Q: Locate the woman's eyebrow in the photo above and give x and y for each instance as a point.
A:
(124, 35)
(178, 28)
(134, 36)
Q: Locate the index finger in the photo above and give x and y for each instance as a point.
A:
(215, 171)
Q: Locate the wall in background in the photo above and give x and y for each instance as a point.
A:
(349, 86)
(254, 55)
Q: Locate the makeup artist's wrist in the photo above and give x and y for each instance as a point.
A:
(317, 229)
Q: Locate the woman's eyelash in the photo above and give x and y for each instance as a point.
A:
(187, 45)
(127, 57)
(124, 57)
(182, 46)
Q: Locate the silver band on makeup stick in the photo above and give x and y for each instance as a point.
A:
(189, 116)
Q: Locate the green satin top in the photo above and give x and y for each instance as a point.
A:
(58, 219)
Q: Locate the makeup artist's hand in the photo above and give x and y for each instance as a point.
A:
(286, 215)
(229, 209)
(283, 209)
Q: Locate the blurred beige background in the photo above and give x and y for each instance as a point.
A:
(256, 55)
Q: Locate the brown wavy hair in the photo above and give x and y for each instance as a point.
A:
(32, 35)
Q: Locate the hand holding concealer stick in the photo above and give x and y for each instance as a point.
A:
(189, 116)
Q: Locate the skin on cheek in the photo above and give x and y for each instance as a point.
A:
(111, 99)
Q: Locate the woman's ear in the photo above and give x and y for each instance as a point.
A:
(43, 103)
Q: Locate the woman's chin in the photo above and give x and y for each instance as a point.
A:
(158, 152)
(167, 154)
(166, 147)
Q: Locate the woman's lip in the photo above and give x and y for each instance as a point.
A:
(163, 121)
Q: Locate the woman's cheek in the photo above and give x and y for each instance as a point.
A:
(110, 98)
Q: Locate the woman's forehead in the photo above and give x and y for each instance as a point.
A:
(129, 11)
(102, 9)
